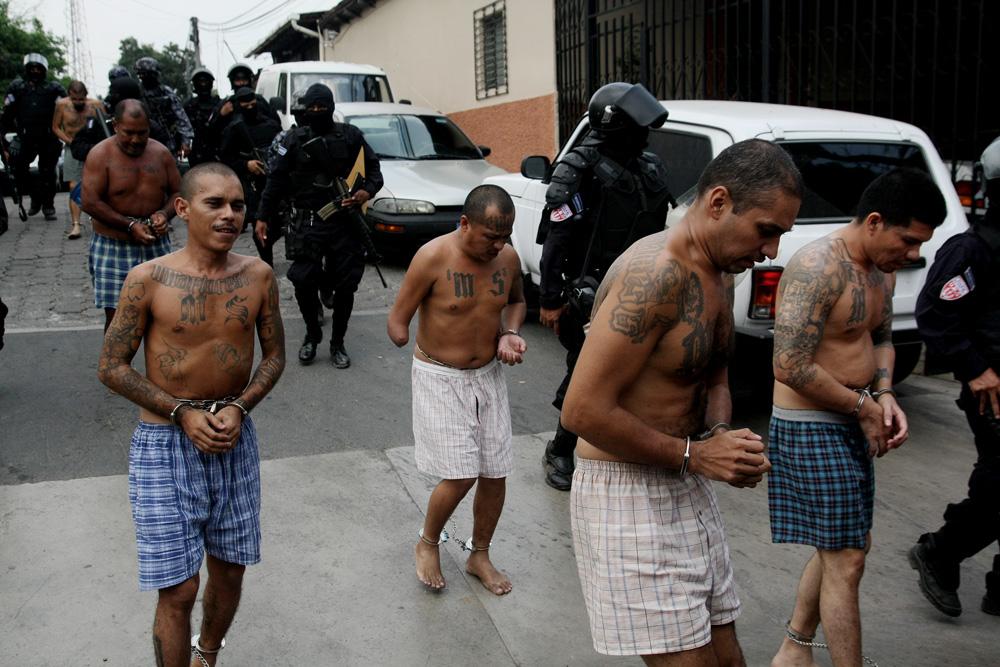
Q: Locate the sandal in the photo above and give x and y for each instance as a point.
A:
(75, 232)
(199, 652)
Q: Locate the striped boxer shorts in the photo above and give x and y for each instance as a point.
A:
(461, 421)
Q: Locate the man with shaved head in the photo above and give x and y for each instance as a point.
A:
(130, 183)
(194, 473)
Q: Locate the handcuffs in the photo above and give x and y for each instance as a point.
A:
(208, 405)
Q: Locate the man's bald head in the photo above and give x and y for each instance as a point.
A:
(130, 109)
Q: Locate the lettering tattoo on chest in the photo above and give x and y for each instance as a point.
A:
(858, 306)
(198, 289)
(499, 278)
(463, 283)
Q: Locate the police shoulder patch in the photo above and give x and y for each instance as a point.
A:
(281, 150)
(954, 289)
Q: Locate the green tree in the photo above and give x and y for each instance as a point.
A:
(19, 36)
(173, 62)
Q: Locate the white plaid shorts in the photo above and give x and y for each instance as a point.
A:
(652, 556)
(461, 421)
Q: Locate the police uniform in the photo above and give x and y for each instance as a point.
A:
(604, 195)
(247, 138)
(958, 314)
(164, 105)
(28, 109)
(330, 255)
(199, 108)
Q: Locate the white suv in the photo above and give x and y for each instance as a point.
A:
(838, 153)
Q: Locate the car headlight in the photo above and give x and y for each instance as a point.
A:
(403, 206)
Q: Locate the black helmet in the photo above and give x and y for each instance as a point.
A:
(618, 106)
(117, 72)
(147, 65)
(236, 68)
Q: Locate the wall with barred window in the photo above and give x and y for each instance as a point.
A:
(489, 65)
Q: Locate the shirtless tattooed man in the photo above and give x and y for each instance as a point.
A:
(834, 408)
(467, 286)
(194, 477)
(650, 401)
(70, 116)
(129, 185)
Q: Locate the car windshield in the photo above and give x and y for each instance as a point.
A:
(345, 87)
(835, 173)
(415, 137)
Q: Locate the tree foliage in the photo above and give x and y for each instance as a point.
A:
(20, 36)
(173, 62)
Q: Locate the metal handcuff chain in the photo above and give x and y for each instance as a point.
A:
(466, 545)
(808, 642)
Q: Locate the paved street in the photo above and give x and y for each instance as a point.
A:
(343, 501)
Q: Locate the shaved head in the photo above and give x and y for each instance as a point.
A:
(192, 179)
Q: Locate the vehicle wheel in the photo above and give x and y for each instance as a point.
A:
(907, 356)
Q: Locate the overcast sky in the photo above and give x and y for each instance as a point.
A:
(159, 22)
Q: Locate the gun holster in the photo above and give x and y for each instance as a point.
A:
(296, 246)
(581, 293)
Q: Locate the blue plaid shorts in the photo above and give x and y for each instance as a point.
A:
(110, 260)
(821, 488)
(185, 502)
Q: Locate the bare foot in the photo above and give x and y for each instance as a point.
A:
(793, 655)
(493, 580)
(429, 565)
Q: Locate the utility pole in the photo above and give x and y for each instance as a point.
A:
(80, 64)
(195, 42)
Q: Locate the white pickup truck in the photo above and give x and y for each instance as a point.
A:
(838, 153)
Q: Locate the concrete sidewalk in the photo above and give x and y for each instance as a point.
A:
(336, 585)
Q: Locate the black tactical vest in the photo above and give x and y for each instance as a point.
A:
(161, 109)
(311, 179)
(36, 103)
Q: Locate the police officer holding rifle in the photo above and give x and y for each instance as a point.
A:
(329, 172)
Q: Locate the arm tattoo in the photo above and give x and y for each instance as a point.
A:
(121, 342)
(809, 288)
(271, 334)
(880, 374)
(882, 334)
(644, 289)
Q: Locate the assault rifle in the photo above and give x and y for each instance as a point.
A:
(341, 190)
(15, 193)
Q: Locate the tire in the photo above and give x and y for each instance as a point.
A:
(907, 357)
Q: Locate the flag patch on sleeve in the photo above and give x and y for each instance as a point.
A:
(954, 289)
(564, 212)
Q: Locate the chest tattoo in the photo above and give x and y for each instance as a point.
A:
(463, 284)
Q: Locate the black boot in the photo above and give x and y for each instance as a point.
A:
(558, 460)
(991, 601)
(307, 353)
(34, 208)
(938, 579)
(338, 355)
(49, 212)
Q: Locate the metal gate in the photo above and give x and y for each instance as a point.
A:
(924, 62)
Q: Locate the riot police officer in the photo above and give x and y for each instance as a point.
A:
(199, 108)
(958, 313)
(117, 72)
(244, 148)
(28, 107)
(164, 106)
(603, 196)
(327, 255)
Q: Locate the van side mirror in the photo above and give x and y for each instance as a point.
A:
(536, 167)
(485, 150)
(277, 104)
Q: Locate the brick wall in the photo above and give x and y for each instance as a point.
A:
(513, 130)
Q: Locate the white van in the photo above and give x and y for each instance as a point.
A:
(349, 82)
